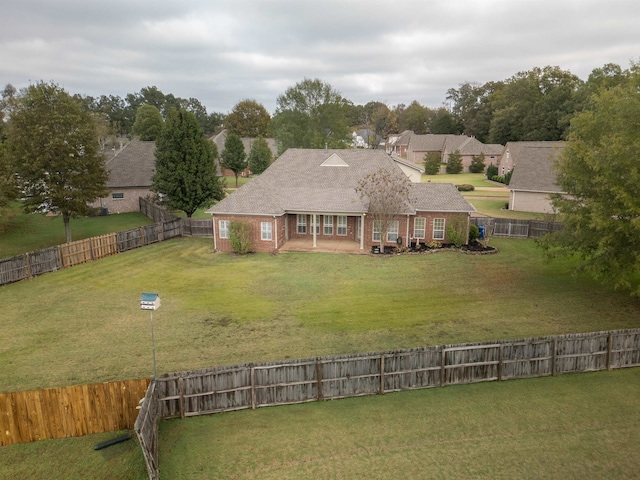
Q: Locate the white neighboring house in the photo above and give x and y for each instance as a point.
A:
(534, 177)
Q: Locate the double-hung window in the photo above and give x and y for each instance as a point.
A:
(342, 225)
(376, 230)
(265, 231)
(224, 228)
(328, 225)
(392, 232)
(438, 228)
(419, 227)
(302, 224)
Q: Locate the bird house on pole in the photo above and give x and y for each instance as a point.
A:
(150, 301)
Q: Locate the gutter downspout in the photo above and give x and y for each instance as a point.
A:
(362, 232)
(407, 243)
(315, 219)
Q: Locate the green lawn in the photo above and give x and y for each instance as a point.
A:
(475, 179)
(572, 426)
(21, 233)
(84, 325)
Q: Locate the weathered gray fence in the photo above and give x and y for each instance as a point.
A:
(508, 227)
(238, 387)
(146, 428)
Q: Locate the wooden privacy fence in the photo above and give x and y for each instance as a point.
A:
(245, 386)
(69, 411)
(508, 227)
(146, 428)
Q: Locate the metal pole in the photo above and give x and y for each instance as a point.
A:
(153, 346)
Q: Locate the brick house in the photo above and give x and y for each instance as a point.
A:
(247, 143)
(311, 194)
(131, 170)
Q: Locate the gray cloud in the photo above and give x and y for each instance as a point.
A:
(223, 52)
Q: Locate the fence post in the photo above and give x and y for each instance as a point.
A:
(500, 362)
(253, 389)
(181, 390)
(382, 375)
(609, 347)
(442, 370)
(319, 380)
(553, 357)
(26, 258)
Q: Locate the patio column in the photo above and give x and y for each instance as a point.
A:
(362, 232)
(313, 227)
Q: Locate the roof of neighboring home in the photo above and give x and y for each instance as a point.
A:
(450, 143)
(438, 197)
(323, 181)
(533, 165)
(133, 166)
(408, 164)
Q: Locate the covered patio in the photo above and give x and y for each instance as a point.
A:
(323, 246)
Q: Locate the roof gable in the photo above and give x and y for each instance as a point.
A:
(334, 161)
(133, 166)
(533, 165)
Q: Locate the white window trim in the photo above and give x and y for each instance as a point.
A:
(327, 228)
(393, 231)
(266, 231)
(439, 231)
(423, 229)
(301, 224)
(342, 225)
(376, 233)
(223, 228)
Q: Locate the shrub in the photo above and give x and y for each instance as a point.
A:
(456, 231)
(474, 233)
(433, 244)
(465, 187)
(240, 237)
(492, 171)
(507, 177)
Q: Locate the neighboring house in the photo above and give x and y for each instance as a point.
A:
(312, 194)
(420, 145)
(533, 178)
(410, 169)
(398, 144)
(131, 171)
(219, 140)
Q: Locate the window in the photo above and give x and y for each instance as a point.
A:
(438, 228)
(265, 231)
(224, 228)
(342, 224)
(392, 232)
(117, 196)
(419, 227)
(317, 224)
(376, 230)
(302, 224)
(328, 225)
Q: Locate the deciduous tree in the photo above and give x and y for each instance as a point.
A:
(185, 170)
(148, 123)
(54, 142)
(599, 169)
(249, 119)
(311, 114)
(233, 156)
(387, 194)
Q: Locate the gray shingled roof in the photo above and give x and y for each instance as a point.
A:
(299, 182)
(533, 170)
(133, 166)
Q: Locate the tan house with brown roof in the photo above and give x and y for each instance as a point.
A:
(533, 178)
(311, 194)
(131, 171)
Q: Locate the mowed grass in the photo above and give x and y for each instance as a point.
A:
(21, 233)
(84, 324)
(475, 179)
(571, 426)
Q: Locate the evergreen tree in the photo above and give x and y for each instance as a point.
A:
(260, 156)
(432, 163)
(148, 123)
(454, 162)
(185, 169)
(477, 164)
(233, 156)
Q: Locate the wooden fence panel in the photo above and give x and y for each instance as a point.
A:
(75, 253)
(197, 227)
(129, 239)
(152, 233)
(351, 376)
(146, 428)
(527, 359)
(470, 364)
(581, 353)
(518, 228)
(104, 245)
(172, 229)
(42, 261)
(625, 350)
(69, 411)
(284, 383)
(13, 269)
(411, 370)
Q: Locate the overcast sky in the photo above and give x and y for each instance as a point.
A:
(221, 52)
